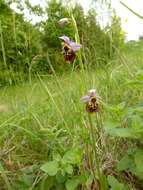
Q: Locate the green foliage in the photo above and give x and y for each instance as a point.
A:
(132, 162)
(51, 168)
(127, 122)
(115, 185)
(55, 11)
(72, 184)
(34, 130)
(26, 178)
(73, 156)
(139, 160)
(62, 168)
(30, 49)
(116, 34)
(44, 132)
(20, 42)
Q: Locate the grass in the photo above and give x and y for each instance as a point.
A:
(45, 117)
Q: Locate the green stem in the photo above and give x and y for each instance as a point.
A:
(77, 38)
(95, 150)
(2, 46)
(98, 128)
(134, 12)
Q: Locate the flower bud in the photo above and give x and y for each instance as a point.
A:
(64, 22)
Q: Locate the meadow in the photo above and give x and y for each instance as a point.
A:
(44, 121)
(49, 140)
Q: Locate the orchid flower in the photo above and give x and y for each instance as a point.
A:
(69, 48)
(92, 101)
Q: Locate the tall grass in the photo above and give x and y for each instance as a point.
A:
(41, 119)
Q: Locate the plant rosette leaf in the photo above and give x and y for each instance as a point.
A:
(115, 184)
(60, 177)
(47, 183)
(73, 156)
(51, 168)
(126, 163)
(132, 162)
(72, 184)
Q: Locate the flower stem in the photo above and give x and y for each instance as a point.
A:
(95, 151)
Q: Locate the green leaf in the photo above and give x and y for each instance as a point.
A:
(115, 185)
(121, 132)
(137, 126)
(56, 156)
(137, 122)
(47, 183)
(51, 168)
(73, 156)
(72, 184)
(60, 177)
(69, 169)
(125, 163)
(139, 160)
(132, 162)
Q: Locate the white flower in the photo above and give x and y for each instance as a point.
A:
(64, 21)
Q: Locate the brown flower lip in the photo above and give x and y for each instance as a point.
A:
(68, 53)
(70, 57)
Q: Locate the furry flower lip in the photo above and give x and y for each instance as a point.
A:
(69, 48)
(92, 101)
